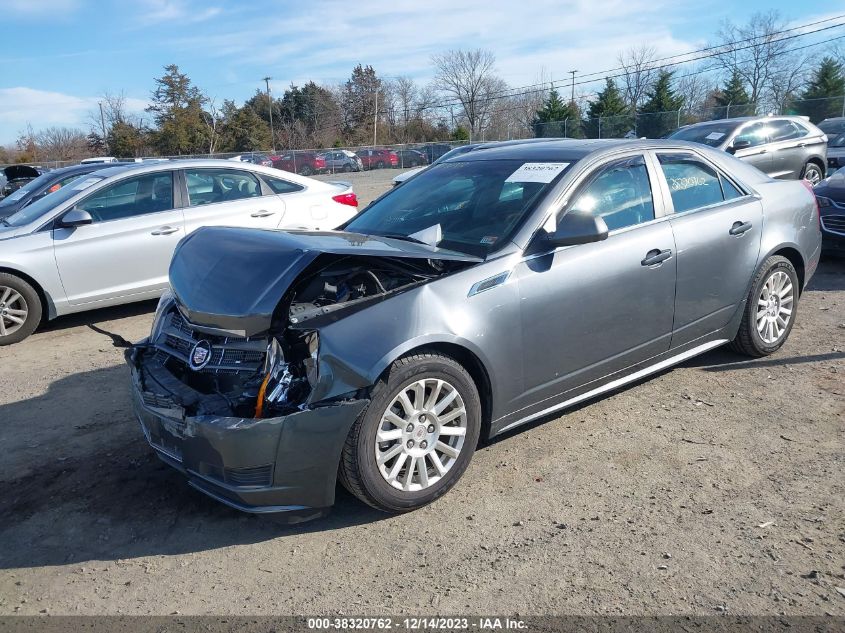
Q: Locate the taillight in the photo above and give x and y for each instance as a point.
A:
(319, 162)
(809, 187)
(346, 198)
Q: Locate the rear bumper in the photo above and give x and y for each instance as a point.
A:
(284, 464)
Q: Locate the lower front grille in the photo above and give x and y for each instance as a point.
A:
(254, 476)
(834, 223)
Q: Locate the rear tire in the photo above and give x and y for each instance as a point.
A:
(770, 310)
(812, 173)
(417, 436)
(379, 165)
(347, 168)
(20, 309)
(305, 170)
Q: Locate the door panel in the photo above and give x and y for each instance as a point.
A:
(594, 309)
(717, 234)
(118, 258)
(127, 249)
(229, 197)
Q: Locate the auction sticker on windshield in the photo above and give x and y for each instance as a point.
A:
(537, 172)
(84, 184)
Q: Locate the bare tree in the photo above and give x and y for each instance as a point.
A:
(639, 73)
(694, 88)
(468, 77)
(61, 143)
(756, 53)
(212, 117)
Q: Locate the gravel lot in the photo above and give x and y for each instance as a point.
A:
(716, 486)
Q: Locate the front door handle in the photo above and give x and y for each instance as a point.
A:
(656, 256)
(165, 230)
(262, 214)
(739, 228)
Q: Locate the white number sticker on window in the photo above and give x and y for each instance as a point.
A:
(537, 172)
(84, 184)
(714, 136)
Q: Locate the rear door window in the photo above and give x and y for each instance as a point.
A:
(210, 186)
(694, 184)
(755, 134)
(279, 185)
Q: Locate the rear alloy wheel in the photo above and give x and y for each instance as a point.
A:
(812, 173)
(20, 309)
(770, 310)
(417, 436)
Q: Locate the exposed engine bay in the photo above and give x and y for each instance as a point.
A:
(273, 373)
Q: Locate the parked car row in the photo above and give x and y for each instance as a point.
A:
(105, 236)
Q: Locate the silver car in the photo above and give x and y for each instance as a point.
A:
(788, 147)
(107, 238)
(493, 289)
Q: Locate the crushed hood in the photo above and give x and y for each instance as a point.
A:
(233, 279)
(13, 172)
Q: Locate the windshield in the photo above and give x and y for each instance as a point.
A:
(832, 127)
(477, 205)
(47, 203)
(837, 141)
(712, 134)
(32, 185)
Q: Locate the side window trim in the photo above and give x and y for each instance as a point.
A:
(667, 195)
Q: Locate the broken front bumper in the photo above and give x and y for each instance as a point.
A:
(284, 464)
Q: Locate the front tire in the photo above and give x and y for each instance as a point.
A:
(20, 309)
(305, 171)
(770, 309)
(417, 436)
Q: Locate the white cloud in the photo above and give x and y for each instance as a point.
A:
(22, 106)
(38, 8)
(176, 11)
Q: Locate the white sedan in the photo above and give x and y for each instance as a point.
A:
(107, 238)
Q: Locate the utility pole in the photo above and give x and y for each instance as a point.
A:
(270, 103)
(572, 96)
(375, 120)
(103, 125)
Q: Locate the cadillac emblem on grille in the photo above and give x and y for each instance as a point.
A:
(200, 355)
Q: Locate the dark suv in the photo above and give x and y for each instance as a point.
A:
(787, 147)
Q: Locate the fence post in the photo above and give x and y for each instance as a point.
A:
(565, 132)
(843, 105)
(679, 119)
(599, 127)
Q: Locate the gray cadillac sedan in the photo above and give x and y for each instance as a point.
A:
(495, 288)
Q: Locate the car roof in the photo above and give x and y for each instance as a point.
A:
(746, 119)
(566, 149)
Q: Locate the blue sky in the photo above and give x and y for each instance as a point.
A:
(59, 56)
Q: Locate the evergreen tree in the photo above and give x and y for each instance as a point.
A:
(608, 115)
(557, 119)
(733, 100)
(177, 109)
(360, 96)
(824, 94)
(659, 114)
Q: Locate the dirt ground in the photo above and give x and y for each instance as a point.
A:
(715, 487)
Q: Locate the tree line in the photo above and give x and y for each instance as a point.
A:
(750, 68)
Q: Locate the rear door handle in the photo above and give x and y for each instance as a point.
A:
(165, 230)
(655, 257)
(262, 214)
(739, 228)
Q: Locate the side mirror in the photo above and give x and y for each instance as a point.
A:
(738, 145)
(74, 218)
(577, 227)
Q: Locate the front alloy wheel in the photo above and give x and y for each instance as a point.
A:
(421, 434)
(20, 309)
(417, 436)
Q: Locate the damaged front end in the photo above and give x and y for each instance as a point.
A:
(234, 392)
